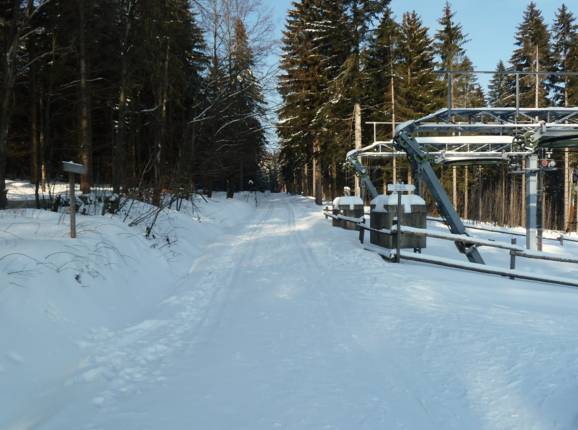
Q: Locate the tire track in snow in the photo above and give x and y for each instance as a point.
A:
(340, 325)
(124, 362)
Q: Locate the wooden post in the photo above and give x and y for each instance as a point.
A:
(72, 169)
(398, 233)
(513, 257)
(361, 234)
(72, 197)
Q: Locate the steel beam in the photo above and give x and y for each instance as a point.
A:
(407, 143)
(532, 202)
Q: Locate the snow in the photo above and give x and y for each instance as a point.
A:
(260, 315)
(23, 190)
(350, 201)
(407, 200)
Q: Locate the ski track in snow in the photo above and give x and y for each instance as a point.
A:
(287, 323)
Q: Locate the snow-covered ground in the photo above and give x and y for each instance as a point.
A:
(260, 315)
(23, 190)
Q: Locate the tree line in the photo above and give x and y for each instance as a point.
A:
(151, 95)
(348, 62)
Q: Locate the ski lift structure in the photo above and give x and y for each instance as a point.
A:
(475, 136)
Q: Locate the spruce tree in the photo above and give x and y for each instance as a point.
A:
(501, 88)
(532, 55)
(298, 85)
(420, 91)
(379, 69)
(449, 40)
(247, 110)
(564, 52)
(449, 44)
(468, 92)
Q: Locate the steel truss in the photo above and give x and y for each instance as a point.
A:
(470, 136)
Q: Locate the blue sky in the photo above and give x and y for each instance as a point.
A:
(491, 24)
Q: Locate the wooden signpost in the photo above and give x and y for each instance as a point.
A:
(72, 169)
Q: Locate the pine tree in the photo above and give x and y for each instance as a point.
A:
(532, 55)
(564, 52)
(501, 88)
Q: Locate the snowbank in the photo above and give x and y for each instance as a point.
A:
(58, 296)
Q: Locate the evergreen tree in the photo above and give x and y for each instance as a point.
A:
(297, 85)
(501, 88)
(379, 69)
(449, 40)
(420, 91)
(468, 92)
(532, 55)
(572, 84)
(564, 52)
(247, 110)
(449, 48)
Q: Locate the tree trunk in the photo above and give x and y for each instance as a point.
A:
(566, 189)
(85, 131)
(333, 179)
(7, 82)
(317, 174)
(466, 192)
(523, 211)
(537, 86)
(455, 187)
(162, 124)
(120, 143)
(357, 119)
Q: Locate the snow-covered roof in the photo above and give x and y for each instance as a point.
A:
(347, 201)
(407, 200)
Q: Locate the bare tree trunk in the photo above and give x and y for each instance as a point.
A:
(305, 182)
(333, 178)
(523, 223)
(317, 174)
(357, 118)
(567, 195)
(503, 195)
(162, 124)
(120, 143)
(466, 192)
(384, 180)
(513, 219)
(455, 187)
(480, 193)
(8, 79)
(537, 86)
(85, 119)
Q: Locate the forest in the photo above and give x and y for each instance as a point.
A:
(150, 95)
(159, 96)
(347, 63)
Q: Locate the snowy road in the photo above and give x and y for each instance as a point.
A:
(287, 323)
